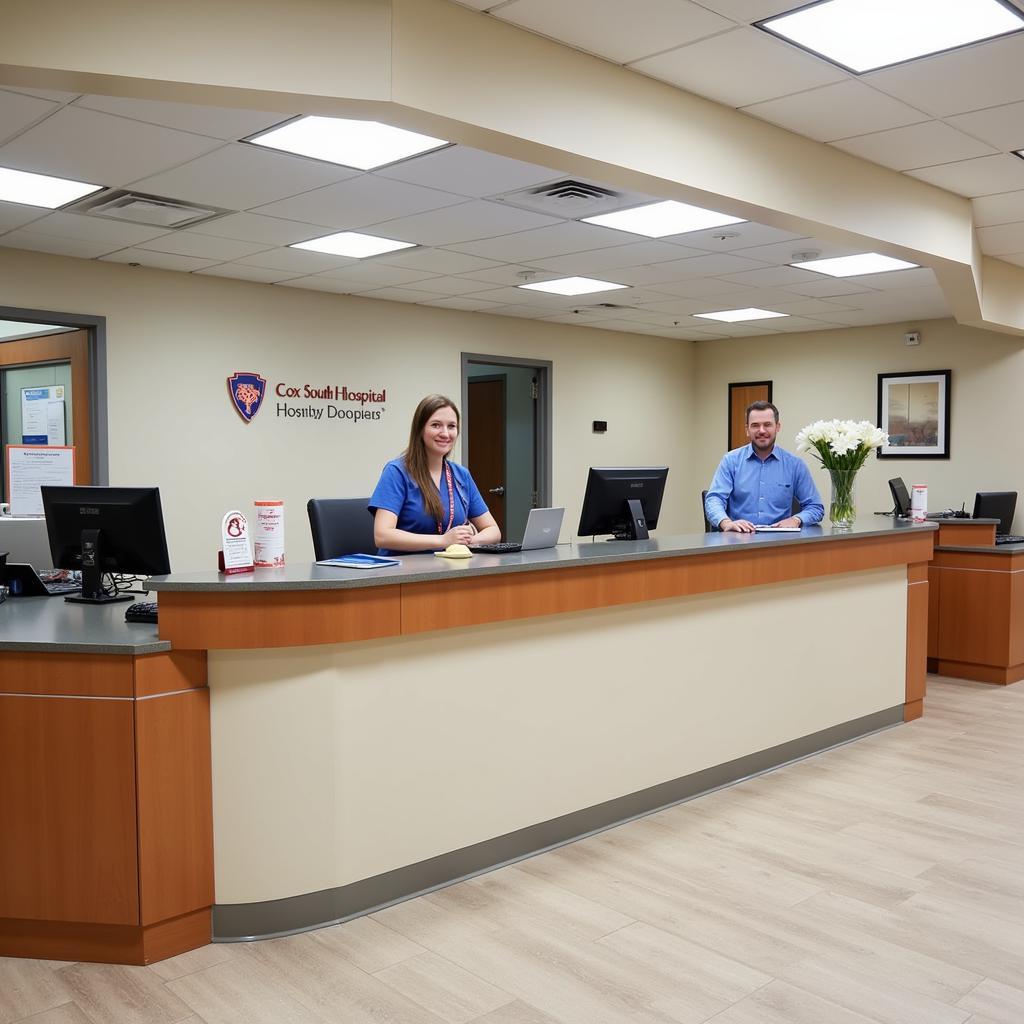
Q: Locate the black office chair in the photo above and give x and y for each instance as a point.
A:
(708, 528)
(340, 526)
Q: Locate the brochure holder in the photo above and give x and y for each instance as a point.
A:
(235, 554)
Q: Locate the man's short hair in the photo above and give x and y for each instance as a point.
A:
(760, 407)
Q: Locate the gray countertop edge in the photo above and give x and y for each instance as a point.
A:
(988, 549)
(58, 647)
(414, 567)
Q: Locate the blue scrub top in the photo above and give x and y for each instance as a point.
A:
(397, 492)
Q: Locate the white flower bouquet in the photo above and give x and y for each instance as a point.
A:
(842, 447)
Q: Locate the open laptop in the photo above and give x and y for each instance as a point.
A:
(24, 581)
(542, 528)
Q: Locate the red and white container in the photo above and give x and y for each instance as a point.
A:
(919, 502)
(268, 534)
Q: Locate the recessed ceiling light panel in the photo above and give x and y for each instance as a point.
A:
(353, 244)
(365, 145)
(656, 220)
(732, 316)
(573, 286)
(40, 189)
(864, 35)
(852, 266)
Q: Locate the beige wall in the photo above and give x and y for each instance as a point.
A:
(173, 339)
(833, 374)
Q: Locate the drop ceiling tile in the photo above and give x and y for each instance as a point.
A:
(768, 277)
(622, 326)
(679, 307)
(203, 246)
(400, 295)
(236, 177)
(917, 145)
(616, 31)
(558, 239)
(747, 11)
(374, 274)
(1002, 240)
(438, 261)
(693, 288)
(985, 175)
(801, 323)
(524, 311)
(740, 237)
(1002, 127)
(971, 78)
(217, 122)
(826, 288)
(95, 229)
(783, 253)
(921, 277)
(159, 260)
(319, 283)
(510, 274)
(576, 317)
(810, 307)
(240, 273)
(760, 298)
(252, 227)
(54, 95)
(466, 302)
(81, 247)
(14, 215)
(97, 148)
(1007, 208)
(696, 266)
(450, 286)
(299, 261)
(739, 68)
(544, 300)
(360, 202)
(462, 224)
(468, 172)
(18, 112)
(836, 111)
(633, 255)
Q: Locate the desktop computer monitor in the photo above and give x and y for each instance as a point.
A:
(624, 502)
(999, 505)
(104, 530)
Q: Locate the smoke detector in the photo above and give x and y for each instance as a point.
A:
(806, 255)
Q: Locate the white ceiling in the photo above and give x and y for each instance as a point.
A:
(950, 120)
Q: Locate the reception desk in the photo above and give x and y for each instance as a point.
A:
(378, 733)
(976, 606)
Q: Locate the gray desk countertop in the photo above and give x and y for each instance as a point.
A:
(420, 568)
(50, 624)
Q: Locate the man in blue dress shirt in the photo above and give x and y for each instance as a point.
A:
(755, 485)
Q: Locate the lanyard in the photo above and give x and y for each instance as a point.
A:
(451, 498)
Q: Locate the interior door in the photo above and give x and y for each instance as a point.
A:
(71, 348)
(485, 441)
(740, 396)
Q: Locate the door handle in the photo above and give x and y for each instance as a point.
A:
(499, 491)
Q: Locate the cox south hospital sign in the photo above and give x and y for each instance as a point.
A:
(338, 402)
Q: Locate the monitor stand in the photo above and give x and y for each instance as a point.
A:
(92, 575)
(637, 522)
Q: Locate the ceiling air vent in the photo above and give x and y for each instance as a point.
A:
(570, 197)
(138, 208)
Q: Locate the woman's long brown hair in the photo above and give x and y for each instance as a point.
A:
(416, 454)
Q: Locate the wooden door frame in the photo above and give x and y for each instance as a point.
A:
(94, 396)
(545, 382)
(728, 405)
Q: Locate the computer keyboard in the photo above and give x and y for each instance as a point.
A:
(1009, 538)
(61, 587)
(141, 611)
(504, 547)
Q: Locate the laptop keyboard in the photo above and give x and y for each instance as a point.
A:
(505, 547)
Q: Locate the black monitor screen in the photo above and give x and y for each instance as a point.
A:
(606, 507)
(900, 497)
(102, 530)
(999, 505)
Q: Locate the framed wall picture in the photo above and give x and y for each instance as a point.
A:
(913, 409)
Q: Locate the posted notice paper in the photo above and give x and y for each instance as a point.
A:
(30, 467)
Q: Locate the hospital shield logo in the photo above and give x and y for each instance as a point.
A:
(247, 391)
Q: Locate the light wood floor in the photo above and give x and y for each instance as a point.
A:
(880, 882)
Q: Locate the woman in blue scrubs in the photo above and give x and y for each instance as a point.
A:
(424, 501)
